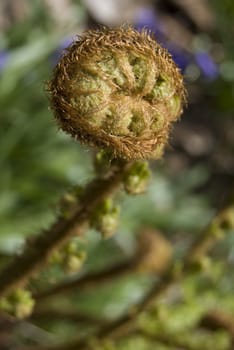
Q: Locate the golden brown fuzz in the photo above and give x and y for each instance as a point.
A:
(118, 89)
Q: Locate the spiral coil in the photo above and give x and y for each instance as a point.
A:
(118, 89)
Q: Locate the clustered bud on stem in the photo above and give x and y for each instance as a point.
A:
(18, 303)
(137, 177)
(118, 89)
(71, 256)
(105, 218)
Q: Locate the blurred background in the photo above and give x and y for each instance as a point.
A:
(195, 178)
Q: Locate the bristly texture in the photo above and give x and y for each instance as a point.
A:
(118, 89)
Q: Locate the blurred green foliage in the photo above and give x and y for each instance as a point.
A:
(38, 163)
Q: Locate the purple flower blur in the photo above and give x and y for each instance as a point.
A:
(4, 56)
(147, 18)
(207, 66)
(181, 58)
(58, 52)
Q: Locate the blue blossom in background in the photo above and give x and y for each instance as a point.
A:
(63, 45)
(206, 64)
(4, 56)
(147, 18)
(181, 58)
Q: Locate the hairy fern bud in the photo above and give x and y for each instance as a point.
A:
(118, 89)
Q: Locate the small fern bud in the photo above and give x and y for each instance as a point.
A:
(137, 178)
(105, 218)
(223, 222)
(70, 257)
(68, 202)
(73, 263)
(19, 303)
(200, 264)
(102, 161)
(73, 257)
(118, 89)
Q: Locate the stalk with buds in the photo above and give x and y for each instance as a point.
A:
(119, 91)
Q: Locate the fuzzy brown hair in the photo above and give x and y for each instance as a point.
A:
(118, 89)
